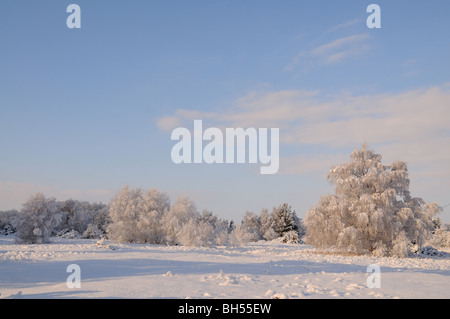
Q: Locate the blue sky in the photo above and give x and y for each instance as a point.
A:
(85, 111)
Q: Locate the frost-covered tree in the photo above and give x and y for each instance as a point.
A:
(280, 222)
(8, 220)
(441, 235)
(125, 210)
(77, 215)
(267, 225)
(136, 216)
(205, 233)
(371, 211)
(37, 219)
(252, 225)
(156, 205)
(102, 219)
(239, 236)
(181, 212)
(284, 219)
(92, 231)
(440, 238)
(208, 217)
(195, 233)
(205, 230)
(221, 232)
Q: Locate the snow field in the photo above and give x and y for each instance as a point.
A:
(257, 270)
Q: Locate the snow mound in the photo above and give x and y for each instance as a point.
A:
(290, 237)
(102, 243)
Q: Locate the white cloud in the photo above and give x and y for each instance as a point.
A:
(411, 126)
(168, 123)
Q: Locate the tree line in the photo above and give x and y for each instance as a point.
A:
(138, 216)
(371, 212)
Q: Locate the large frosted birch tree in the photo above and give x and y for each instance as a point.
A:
(372, 210)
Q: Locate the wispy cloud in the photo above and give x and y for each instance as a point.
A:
(410, 68)
(340, 49)
(338, 44)
(344, 25)
(409, 63)
(333, 52)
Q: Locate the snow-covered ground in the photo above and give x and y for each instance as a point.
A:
(257, 270)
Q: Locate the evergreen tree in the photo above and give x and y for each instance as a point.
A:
(284, 219)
